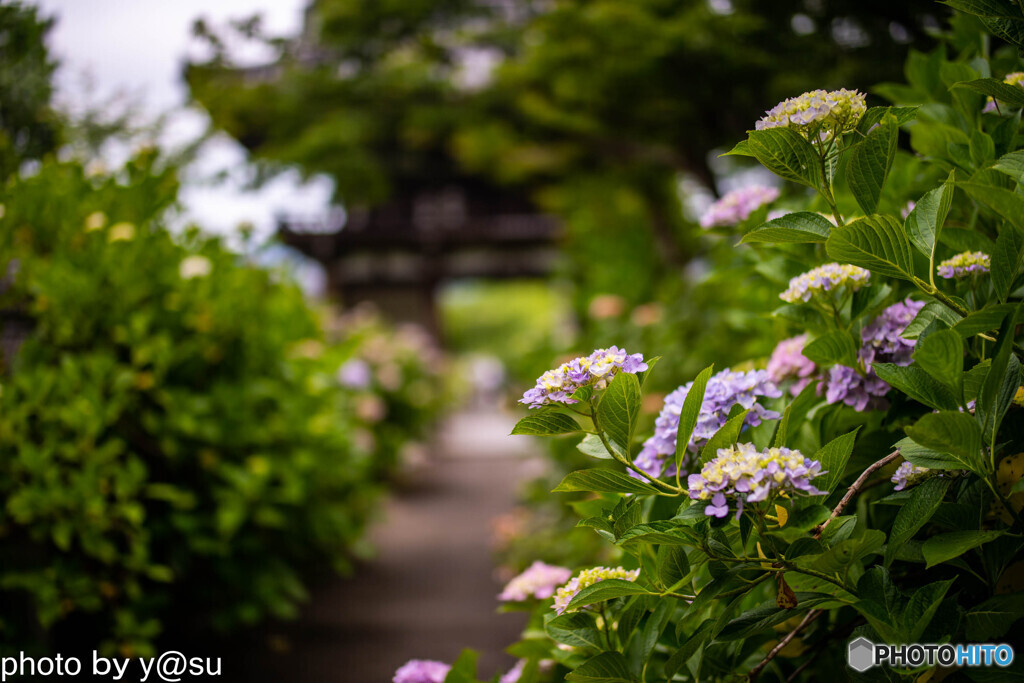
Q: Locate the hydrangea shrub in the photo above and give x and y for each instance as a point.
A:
(877, 491)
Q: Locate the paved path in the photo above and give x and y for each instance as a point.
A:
(430, 591)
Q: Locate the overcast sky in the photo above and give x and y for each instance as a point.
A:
(138, 47)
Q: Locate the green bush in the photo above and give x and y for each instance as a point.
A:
(175, 447)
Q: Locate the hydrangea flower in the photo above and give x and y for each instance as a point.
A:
(597, 369)
(1016, 78)
(818, 112)
(588, 577)
(355, 373)
(908, 474)
(789, 363)
(882, 343)
(824, 279)
(539, 581)
(724, 390)
(194, 266)
(515, 673)
(736, 206)
(741, 474)
(964, 264)
(422, 671)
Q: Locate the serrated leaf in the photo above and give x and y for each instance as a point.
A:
(915, 513)
(869, 164)
(619, 409)
(917, 384)
(547, 423)
(951, 432)
(995, 88)
(985, 320)
(994, 617)
(833, 457)
(939, 549)
(1003, 202)
(726, 436)
(594, 447)
(802, 227)
(875, 242)
(933, 310)
(607, 667)
(742, 149)
(603, 481)
(787, 154)
(834, 348)
(1012, 164)
(796, 411)
(609, 589)
(690, 411)
(927, 457)
(925, 221)
(921, 608)
(576, 629)
(941, 355)
(1006, 260)
(673, 566)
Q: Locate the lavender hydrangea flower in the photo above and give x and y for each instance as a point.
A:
(724, 390)
(742, 474)
(736, 206)
(908, 474)
(515, 673)
(817, 113)
(824, 279)
(882, 343)
(597, 369)
(422, 671)
(1016, 78)
(964, 264)
(789, 363)
(539, 581)
(356, 373)
(588, 577)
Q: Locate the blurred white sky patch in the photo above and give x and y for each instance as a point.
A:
(138, 48)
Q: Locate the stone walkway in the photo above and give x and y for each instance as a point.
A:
(430, 590)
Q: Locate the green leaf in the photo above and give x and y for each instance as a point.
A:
(1006, 260)
(1001, 383)
(643, 375)
(673, 566)
(796, 411)
(985, 320)
(607, 667)
(594, 447)
(726, 436)
(925, 222)
(951, 432)
(574, 628)
(834, 348)
(787, 154)
(869, 164)
(917, 384)
(921, 608)
(602, 480)
(994, 617)
(693, 645)
(797, 228)
(1002, 18)
(464, 668)
(609, 589)
(741, 149)
(938, 549)
(843, 554)
(619, 408)
(1012, 164)
(546, 423)
(690, 412)
(1003, 202)
(661, 531)
(995, 88)
(941, 355)
(833, 457)
(874, 242)
(915, 513)
(933, 310)
(927, 457)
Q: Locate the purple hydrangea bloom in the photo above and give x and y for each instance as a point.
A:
(515, 673)
(742, 474)
(538, 581)
(824, 279)
(597, 369)
(908, 474)
(422, 671)
(818, 112)
(736, 206)
(964, 264)
(882, 343)
(355, 374)
(789, 363)
(724, 390)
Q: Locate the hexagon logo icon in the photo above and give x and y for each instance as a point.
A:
(861, 654)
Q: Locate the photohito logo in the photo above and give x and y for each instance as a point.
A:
(862, 654)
